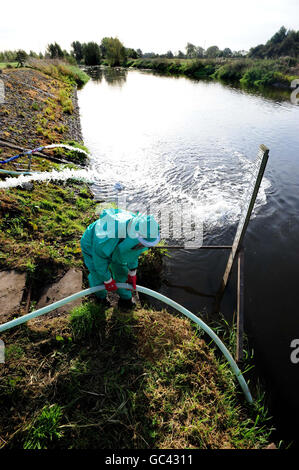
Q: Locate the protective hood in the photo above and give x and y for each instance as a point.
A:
(118, 223)
(113, 224)
(145, 229)
(124, 230)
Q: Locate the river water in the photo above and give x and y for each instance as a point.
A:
(161, 141)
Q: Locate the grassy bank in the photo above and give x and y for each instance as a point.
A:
(60, 70)
(38, 109)
(248, 72)
(108, 380)
(41, 223)
(40, 228)
(55, 68)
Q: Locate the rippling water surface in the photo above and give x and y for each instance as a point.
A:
(163, 140)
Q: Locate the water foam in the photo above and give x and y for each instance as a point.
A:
(69, 147)
(211, 186)
(63, 175)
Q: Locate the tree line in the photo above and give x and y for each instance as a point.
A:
(112, 51)
(283, 43)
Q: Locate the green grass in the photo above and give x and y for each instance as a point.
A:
(4, 65)
(86, 321)
(109, 380)
(44, 428)
(77, 75)
(43, 226)
(69, 74)
(66, 102)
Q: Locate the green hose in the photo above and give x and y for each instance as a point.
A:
(11, 172)
(143, 290)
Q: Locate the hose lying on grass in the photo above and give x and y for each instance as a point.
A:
(8, 172)
(156, 295)
(39, 149)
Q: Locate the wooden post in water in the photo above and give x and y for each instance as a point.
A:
(240, 306)
(248, 205)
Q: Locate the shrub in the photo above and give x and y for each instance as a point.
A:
(65, 102)
(231, 71)
(259, 76)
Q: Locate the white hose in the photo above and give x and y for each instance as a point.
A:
(157, 295)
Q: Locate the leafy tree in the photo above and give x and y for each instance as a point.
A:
(114, 51)
(200, 52)
(139, 53)
(21, 57)
(150, 55)
(257, 52)
(241, 53)
(33, 54)
(55, 51)
(8, 56)
(91, 53)
(282, 43)
(181, 55)
(290, 45)
(212, 51)
(131, 53)
(278, 37)
(190, 50)
(169, 55)
(227, 52)
(104, 47)
(77, 51)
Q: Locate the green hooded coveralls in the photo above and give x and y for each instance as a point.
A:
(107, 247)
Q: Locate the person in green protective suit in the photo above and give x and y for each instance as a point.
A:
(111, 247)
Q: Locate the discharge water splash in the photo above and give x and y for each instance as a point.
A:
(212, 188)
(29, 153)
(62, 175)
(66, 174)
(69, 147)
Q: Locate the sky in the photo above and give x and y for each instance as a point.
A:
(153, 26)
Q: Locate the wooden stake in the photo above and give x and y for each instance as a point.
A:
(240, 307)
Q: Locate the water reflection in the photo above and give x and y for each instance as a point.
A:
(278, 95)
(274, 94)
(115, 77)
(96, 73)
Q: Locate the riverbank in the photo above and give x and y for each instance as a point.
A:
(143, 379)
(40, 110)
(248, 72)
